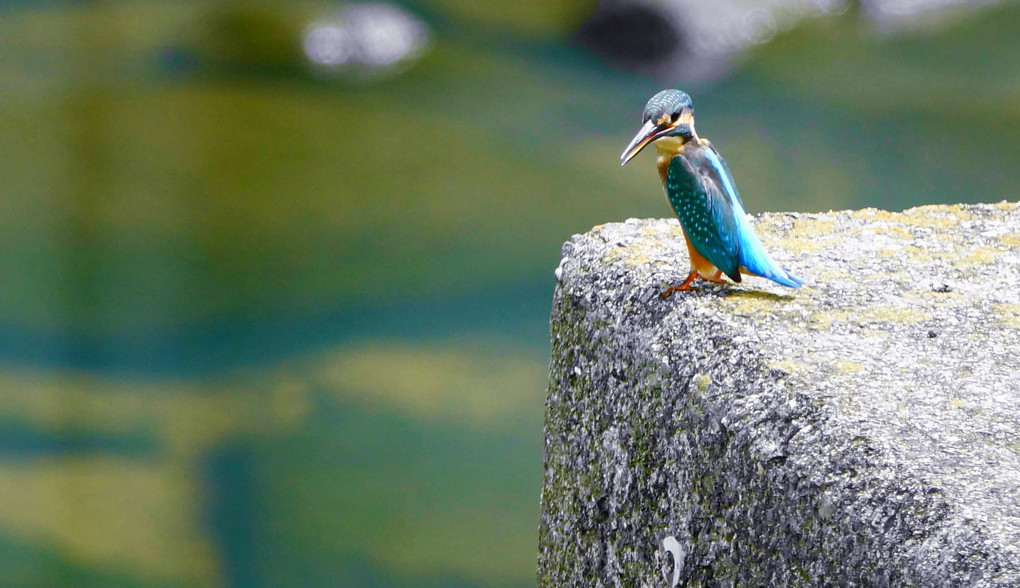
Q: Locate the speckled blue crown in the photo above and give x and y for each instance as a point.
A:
(666, 102)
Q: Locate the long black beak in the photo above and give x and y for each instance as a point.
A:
(645, 135)
(650, 132)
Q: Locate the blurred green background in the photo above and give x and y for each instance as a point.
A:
(267, 323)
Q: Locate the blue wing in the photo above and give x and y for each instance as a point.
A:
(753, 256)
(706, 215)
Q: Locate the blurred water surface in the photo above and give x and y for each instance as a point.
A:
(264, 324)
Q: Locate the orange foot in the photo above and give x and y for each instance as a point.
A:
(685, 286)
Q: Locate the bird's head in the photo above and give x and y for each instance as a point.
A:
(670, 113)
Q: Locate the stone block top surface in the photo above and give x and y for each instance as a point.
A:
(882, 399)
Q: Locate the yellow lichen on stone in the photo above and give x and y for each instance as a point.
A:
(823, 320)
(651, 251)
(917, 255)
(1010, 241)
(893, 229)
(614, 255)
(789, 366)
(1008, 313)
(888, 252)
(874, 213)
(812, 228)
(930, 297)
(702, 382)
(752, 303)
(632, 256)
(895, 314)
(935, 216)
(899, 231)
(978, 256)
(636, 259)
(849, 366)
(801, 245)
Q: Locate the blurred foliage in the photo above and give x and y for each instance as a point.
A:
(971, 68)
(873, 119)
(192, 174)
(172, 180)
(346, 471)
(531, 18)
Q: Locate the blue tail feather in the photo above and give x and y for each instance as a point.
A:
(752, 256)
(755, 259)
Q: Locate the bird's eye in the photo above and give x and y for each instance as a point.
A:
(676, 115)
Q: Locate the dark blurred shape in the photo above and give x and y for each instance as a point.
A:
(231, 508)
(176, 60)
(689, 40)
(261, 35)
(632, 35)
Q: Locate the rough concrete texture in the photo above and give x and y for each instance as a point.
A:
(863, 430)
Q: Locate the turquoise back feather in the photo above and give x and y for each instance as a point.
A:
(706, 216)
(705, 198)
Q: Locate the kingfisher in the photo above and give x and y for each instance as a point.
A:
(704, 196)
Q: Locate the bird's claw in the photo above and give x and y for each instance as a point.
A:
(685, 286)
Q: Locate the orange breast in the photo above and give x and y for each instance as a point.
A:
(704, 267)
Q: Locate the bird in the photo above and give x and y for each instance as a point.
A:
(701, 190)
